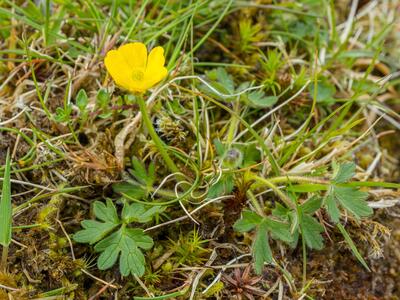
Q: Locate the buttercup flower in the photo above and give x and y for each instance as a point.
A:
(132, 69)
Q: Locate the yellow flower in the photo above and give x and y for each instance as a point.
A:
(132, 69)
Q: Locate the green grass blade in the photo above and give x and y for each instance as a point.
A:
(353, 247)
(381, 184)
(167, 296)
(5, 206)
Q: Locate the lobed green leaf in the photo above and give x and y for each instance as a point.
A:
(248, 221)
(311, 205)
(93, 231)
(261, 250)
(106, 213)
(279, 230)
(353, 200)
(311, 232)
(343, 172)
(332, 208)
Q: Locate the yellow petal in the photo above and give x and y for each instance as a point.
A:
(138, 87)
(156, 59)
(116, 66)
(135, 54)
(154, 75)
(155, 70)
(133, 70)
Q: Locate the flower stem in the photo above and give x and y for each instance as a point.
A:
(300, 179)
(156, 139)
(277, 191)
(255, 203)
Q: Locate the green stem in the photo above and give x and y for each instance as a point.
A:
(27, 226)
(277, 191)
(38, 92)
(159, 143)
(255, 203)
(303, 244)
(300, 179)
(232, 127)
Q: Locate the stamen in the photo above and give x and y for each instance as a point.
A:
(137, 75)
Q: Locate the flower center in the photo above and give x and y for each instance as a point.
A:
(137, 75)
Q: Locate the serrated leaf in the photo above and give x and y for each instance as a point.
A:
(222, 82)
(148, 215)
(244, 85)
(311, 232)
(108, 257)
(93, 231)
(139, 170)
(226, 80)
(106, 213)
(151, 174)
(108, 241)
(132, 259)
(279, 230)
(343, 172)
(259, 99)
(261, 249)
(229, 184)
(222, 187)
(353, 200)
(325, 92)
(251, 155)
(6, 206)
(294, 221)
(137, 212)
(125, 241)
(295, 239)
(248, 221)
(311, 205)
(131, 212)
(280, 211)
(217, 89)
(332, 208)
(141, 239)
